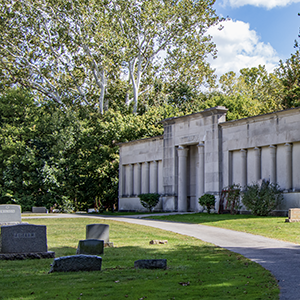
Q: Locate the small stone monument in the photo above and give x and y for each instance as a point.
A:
(98, 232)
(294, 215)
(10, 214)
(90, 247)
(75, 263)
(39, 210)
(24, 241)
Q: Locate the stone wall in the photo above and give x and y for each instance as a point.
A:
(140, 171)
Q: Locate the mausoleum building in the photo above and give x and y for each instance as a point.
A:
(202, 153)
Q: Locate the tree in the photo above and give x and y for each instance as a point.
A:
(65, 50)
(69, 51)
(175, 30)
(289, 74)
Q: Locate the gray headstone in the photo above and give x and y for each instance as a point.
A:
(150, 264)
(75, 263)
(90, 247)
(97, 232)
(10, 213)
(23, 238)
(39, 210)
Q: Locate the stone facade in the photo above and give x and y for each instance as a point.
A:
(202, 153)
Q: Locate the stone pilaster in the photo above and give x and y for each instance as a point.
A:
(243, 168)
(288, 151)
(145, 178)
(137, 179)
(272, 163)
(257, 163)
(182, 178)
(154, 178)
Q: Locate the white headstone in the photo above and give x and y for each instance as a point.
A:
(10, 213)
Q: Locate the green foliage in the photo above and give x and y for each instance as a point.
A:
(289, 74)
(149, 200)
(207, 201)
(262, 198)
(232, 196)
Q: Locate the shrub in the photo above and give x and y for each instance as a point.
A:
(262, 198)
(207, 201)
(149, 200)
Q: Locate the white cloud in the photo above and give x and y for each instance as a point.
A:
(239, 47)
(262, 3)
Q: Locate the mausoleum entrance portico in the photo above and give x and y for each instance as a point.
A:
(190, 174)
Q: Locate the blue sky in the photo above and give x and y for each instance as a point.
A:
(258, 32)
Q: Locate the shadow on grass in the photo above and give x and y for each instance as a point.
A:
(202, 218)
(63, 251)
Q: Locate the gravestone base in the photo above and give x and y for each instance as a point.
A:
(109, 245)
(28, 255)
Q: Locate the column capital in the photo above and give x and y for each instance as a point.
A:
(272, 146)
(182, 151)
(256, 148)
(201, 144)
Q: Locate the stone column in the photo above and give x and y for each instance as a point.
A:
(257, 163)
(288, 175)
(130, 180)
(199, 175)
(182, 178)
(137, 179)
(154, 177)
(243, 168)
(145, 178)
(273, 163)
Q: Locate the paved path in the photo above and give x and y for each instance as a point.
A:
(281, 258)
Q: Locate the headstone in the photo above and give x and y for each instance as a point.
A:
(294, 215)
(39, 210)
(75, 263)
(23, 238)
(10, 213)
(90, 247)
(151, 264)
(98, 232)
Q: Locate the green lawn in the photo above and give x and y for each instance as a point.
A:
(272, 227)
(195, 269)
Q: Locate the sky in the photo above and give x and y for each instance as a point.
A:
(258, 32)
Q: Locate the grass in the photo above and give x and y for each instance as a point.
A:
(195, 269)
(272, 227)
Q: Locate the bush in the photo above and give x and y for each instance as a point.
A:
(262, 198)
(149, 200)
(207, 201)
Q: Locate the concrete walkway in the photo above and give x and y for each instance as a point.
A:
(281, 258)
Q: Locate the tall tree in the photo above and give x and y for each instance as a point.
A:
(63, 49)
(289, 74)
(166, 38)
(69, 50)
